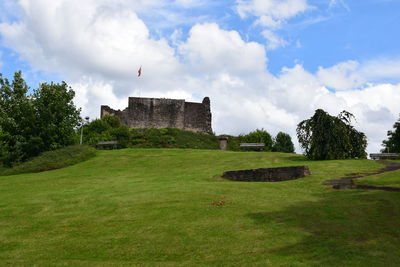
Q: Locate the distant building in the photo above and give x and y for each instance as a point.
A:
(164, 113)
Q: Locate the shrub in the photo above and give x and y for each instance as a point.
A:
(108, 128)
(258, 136)
(172, 138)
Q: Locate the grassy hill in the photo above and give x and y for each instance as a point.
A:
(51, 160)
(152, 207)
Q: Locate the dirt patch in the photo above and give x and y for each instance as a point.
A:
(348, 181)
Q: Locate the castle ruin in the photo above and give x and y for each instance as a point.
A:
(164, 113)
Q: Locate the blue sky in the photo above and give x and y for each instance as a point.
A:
(328, 33)
(278, 60)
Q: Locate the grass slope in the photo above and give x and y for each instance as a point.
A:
(51, 160)
(151, 207)
(385, 179)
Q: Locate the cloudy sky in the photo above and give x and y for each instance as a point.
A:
(263, 63)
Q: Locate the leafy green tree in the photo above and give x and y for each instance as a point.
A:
(283, 143)
(19, 133)
(392, 144)
(31, 124)
(258, 136)
(56, 114)
(325, 137)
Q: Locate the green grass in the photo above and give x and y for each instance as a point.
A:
(152, 207)
(51, 160)
(385, 179)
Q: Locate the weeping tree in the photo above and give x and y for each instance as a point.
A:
(326, 137)
(392, 144)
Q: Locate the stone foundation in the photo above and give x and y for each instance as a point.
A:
(268, 174)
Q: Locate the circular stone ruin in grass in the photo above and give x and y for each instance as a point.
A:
(268, 174)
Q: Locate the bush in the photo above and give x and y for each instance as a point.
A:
(258, 136)
(122, 135)
(172, 138)
(108, 128)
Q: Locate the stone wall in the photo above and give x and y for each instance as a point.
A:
(268, 174)
(164, 113)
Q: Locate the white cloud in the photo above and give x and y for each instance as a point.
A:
(382, 68)
(273, 40)
(276, 9)
(75, 38)
(191, 3)
(97, 47)
(210, 49)
(269, 22)
(376, 109)
(272, 15)
(343, 76)
(341, 3)
(350, 75)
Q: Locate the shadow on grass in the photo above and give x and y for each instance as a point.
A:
(343, 228)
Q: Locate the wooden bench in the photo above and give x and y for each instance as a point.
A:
(252, 146)
(107, 145)
(379, 156)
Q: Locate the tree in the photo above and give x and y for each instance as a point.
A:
(31, 124)
(17, 121)
(326, 137)
(258, 136)
(56, 114)
(283, 143)
(392, 144)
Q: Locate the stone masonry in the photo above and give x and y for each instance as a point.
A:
(268, 174)
(164, 113)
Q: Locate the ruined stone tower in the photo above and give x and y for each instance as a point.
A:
(164, 113)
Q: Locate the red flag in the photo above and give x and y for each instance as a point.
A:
(139, 72)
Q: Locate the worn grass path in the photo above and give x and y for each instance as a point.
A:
(152, 207)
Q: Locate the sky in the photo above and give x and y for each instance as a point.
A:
(264, 63)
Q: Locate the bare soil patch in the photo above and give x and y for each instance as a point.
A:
(348, 181)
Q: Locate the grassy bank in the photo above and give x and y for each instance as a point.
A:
(51, 160)
(152, 207)
(384, 179)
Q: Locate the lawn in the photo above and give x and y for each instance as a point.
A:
(384, 179)
(152, 207)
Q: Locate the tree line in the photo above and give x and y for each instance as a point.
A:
(43, 119)
(281, 143)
